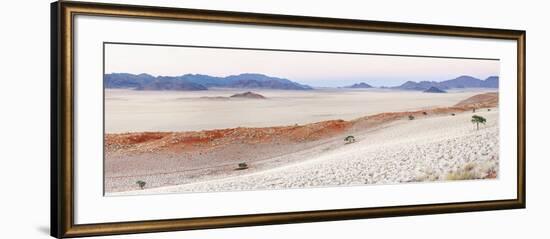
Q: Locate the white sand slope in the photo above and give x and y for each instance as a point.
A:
(423, 149)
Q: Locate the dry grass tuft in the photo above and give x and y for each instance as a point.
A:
(468, 172)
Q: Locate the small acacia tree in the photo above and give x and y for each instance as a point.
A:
(476, 119)
(411, 117)
(349, 139)
(141, 184)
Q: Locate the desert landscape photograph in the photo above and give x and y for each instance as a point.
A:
(185, 119)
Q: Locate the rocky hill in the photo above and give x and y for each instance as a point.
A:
(361, 85)
(248, 95)
(434, 89)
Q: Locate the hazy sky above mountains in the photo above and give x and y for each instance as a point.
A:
(315, 69)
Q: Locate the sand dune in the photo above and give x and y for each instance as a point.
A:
(189, 159)
(480, 100)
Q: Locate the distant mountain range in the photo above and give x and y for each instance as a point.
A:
(194, 82)
(459, 82)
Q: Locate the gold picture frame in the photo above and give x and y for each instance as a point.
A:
(62, 123)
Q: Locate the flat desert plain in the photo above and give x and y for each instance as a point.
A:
(195, 141)
(176, 111)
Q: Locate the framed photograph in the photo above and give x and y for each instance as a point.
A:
(169, 119)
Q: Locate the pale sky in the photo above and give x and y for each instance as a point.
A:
(315, 69)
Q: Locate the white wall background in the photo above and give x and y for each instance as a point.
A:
(24, 128)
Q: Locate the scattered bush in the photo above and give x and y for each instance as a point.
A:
(411, 117)
(141, 184)
(349, 139)
(488, 109)
(425, 113)
(453, 114)
(242, 166)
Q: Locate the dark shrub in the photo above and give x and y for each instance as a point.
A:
(141, 184)
(242, 166)
(349, 139)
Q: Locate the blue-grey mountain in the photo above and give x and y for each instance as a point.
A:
(199, 82)
(459, 82)
(361, 85)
